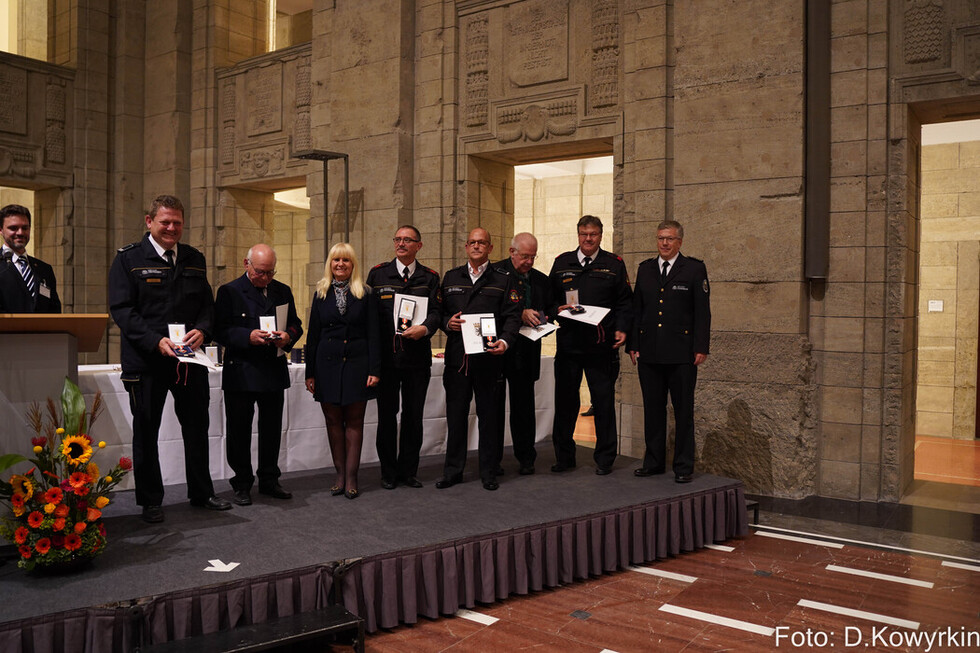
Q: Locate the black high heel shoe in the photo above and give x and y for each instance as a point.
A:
(352, 494)
(337, 490)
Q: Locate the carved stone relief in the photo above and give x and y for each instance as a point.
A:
(17, 162)
(604, 91)
(55, 140)
(228, 102)
(477, 71)
(13, 100)
(263, 87)
(302, 135)
(534, 122)
(924, 31)
(537, 42)
(968, 54)
(260, 162)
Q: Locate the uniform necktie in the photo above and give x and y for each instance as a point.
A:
(405, 274)
(170, 258)
(666, 266)
(586, 261)
(25, 271)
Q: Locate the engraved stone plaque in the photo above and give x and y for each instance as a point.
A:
(537, 42)
(263, 88)
(13, 100)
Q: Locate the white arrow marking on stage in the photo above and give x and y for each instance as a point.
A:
(217, 565)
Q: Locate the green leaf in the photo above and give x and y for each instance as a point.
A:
(10, 459)
(72, 408)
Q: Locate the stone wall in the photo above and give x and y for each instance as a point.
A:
(946, 391)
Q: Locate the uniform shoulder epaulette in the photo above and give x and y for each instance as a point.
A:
(502, 270)
(618, 257)
(127, 247)
(381, 265)
(430, 270)
(691, 258)
(649, 261)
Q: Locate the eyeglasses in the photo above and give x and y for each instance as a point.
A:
(406, 241)
(481, 243)
(262, 273)
(667, 239)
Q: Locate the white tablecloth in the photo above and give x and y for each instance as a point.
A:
(304, 435)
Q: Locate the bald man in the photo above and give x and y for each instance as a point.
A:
(255, 370)
(476, 287)
(522, 362)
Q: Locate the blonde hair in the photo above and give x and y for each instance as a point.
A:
(341, 250)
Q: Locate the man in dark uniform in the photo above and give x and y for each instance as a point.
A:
(670, 339)
(522, 362)
(27, 284)
(254, 370)
(476, 287)
(598, 278)
(406, 357)
(152, 284)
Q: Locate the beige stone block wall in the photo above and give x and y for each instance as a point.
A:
(948, 273)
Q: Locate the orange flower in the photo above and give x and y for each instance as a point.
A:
(20, 535)
(61, 511)
(18, 511)
(101, 502)
(35, 519)
(49, 508)
(17, 500)
(82, 491)
(59, 524)
(43, 545)
(79, 479)
(54, 495)
(93, 514)
(25, 551)
(73, 542)
(80, 527)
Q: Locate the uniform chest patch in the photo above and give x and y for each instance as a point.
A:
(514, 297)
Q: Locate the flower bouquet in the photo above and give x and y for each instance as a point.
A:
(56, 506)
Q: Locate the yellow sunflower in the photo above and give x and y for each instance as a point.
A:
(22, 485)
(76, 449)
(92, 470)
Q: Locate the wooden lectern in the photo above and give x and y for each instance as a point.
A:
(38, 350)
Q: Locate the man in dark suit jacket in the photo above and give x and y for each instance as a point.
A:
(522, 362)
(476, 287)
(254, 370)
(670, 339)
(27, 284)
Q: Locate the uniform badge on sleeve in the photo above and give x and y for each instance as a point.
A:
(704, 286)
(514, 296)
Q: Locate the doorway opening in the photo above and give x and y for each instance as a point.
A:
(549, 199)
(947, 448)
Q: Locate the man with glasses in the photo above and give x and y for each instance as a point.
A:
(406, 356)
(669, 341)
(593, 277)
(27, 284)
(522, 362)
(476, 287)
(254, 370)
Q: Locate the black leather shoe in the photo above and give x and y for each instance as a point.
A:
(152, 514)
(560, 467)
(276, 492)
(388, 484)
(213, 502)
(448, 481)
(602, 471)
(411, 481)
(490, 484)
(526, 470)
(647, 471)
(683, 478)
(242, 498)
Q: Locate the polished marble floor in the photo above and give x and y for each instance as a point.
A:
(814, 574)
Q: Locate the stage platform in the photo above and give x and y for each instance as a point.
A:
(388, 556)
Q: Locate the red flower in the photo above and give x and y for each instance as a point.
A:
(34, 519)
(57, 540)
(25, 551)
(61, 510)
(53, 495)
(20, 535)
(39, 442)
(17, 500)
(125, 463)
(59, 524)
(80, 527)
(82, 491)
(73, 542)
(43, 545)
(78, 479)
